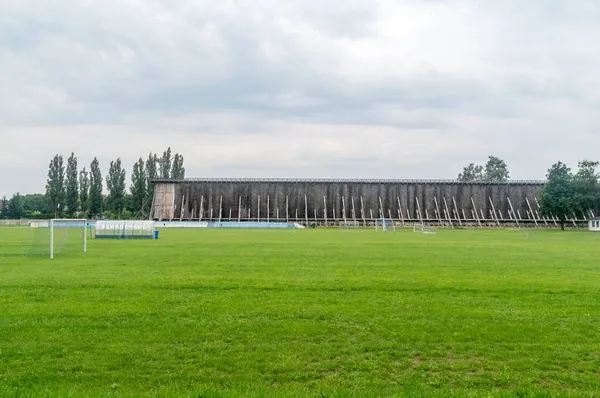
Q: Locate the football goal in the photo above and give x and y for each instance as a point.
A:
(349, 224)
(55, 237)
(424, 229)
(385, 225)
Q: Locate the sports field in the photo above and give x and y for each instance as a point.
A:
(304, 313)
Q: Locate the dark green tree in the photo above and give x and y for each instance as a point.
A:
(115, 183)
(178, 171)
(15, 207)
(138, 185)
(35, 206)
(495, 170)
(84, 190)
(95, 199)
(151, 174)
(72, 190)
(471, 173)
(55, 186)
(4, 208)
(165, 164)
(587, 188)
(557, 197)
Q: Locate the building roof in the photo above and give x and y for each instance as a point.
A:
(345, 180)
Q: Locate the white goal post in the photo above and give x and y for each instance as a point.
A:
(67, 224)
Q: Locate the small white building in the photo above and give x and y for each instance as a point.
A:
(594, 224)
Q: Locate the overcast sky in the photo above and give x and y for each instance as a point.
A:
(312, 88)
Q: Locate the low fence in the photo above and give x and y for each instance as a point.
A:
(226, 224)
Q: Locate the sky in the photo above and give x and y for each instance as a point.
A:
(312, 88)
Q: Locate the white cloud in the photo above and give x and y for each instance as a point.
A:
(281, 88)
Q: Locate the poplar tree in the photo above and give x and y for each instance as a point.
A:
(72, 190)
(115, 183)
(178, 171)
(55, 186)
(138, 185)
(95, 196)
(84, 190)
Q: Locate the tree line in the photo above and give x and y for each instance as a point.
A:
(71, 192)
(566, 195)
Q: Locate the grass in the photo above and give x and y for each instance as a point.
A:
(304, 313)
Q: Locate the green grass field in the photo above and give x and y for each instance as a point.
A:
(304, 313)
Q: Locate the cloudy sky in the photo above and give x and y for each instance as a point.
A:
(312, 88)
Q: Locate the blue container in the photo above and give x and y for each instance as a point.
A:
(155, 234)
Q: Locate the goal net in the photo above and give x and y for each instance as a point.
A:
(424, 229)
(349, 224)
(53, 237)
(384, 225)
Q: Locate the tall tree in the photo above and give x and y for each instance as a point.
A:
(471, 173)
(84, 190)
(165, 164)
(35, 205)
(557, 196)
(72, 190)
(586, 188)
(95, 200)
(4, 208)
(138, 185)
(496, 170)
(15, 206)
(151, 174)
(55, 186)
(115, 183)
(178, 171)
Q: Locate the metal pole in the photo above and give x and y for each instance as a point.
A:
(512, 210)
(475, 210)
(85, 236)
(325, 208)
(362, 211)
(239, 208)
(494, 211)
(457, 213)
(400, 210)
(531, 211)
(437, 208)
(182, 207)
(258, 206)
(220, 207)
(447, 212)
(51, 239)
(419, 212)
(306, 209)
(268, 208)
(201, 207)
